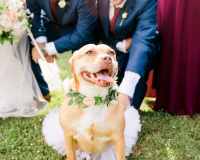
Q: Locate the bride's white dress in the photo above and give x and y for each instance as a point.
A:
(20, 95)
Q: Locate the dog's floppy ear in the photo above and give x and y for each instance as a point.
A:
(73, 55)
(73, 71)
(71, 61)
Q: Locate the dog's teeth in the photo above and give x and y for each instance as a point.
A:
(101, 80)
(91, 74)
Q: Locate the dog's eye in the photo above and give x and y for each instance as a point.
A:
(111, 52)
(89, 52)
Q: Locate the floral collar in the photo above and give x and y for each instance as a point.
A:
(78, 98)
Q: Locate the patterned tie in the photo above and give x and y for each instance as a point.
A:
(54, 9)
(114, 19)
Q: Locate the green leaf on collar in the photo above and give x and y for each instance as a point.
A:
(70, 102)
(84, 106)
(97, 101)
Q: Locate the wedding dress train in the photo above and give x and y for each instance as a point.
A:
(20, 95)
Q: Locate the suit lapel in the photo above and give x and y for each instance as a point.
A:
(48, 9)
(103, 10)
(129, 6)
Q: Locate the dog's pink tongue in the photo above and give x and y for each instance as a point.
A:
(104, 76)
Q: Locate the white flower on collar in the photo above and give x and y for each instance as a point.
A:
(113, 102)
(62, 3)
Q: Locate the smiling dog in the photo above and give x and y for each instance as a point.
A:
(93, 129)
(87, 130)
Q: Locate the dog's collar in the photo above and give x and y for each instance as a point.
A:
(78, 98)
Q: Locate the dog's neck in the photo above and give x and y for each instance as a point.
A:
(91, 91)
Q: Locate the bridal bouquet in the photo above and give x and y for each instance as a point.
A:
(13, 16)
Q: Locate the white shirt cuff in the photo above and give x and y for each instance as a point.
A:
(51, 49)
(41, 39)
(121, 46)
(129, 83)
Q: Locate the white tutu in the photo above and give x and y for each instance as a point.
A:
(54, 135)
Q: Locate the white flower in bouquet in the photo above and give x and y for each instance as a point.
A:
(24, 23)
(32, 15)
(6, 22)
(14, 5)
(28, 11)
(3, 7)
(17, 25)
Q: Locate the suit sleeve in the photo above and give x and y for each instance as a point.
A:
(142, 46)
(83, 33)
(34, 8)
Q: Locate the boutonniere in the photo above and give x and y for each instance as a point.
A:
(124, 15)
(63, 3)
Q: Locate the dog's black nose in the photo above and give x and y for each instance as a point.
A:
(107, 59)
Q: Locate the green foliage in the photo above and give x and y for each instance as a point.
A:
(7, 36)
(163, 136)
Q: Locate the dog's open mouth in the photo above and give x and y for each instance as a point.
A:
(102, 78)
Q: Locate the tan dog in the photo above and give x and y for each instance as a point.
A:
(93, 129)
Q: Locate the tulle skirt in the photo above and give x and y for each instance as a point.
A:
(20, 95)
(54, 135)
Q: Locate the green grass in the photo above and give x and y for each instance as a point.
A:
(163, 136)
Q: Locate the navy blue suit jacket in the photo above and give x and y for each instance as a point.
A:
(77, 19)
(140, 24)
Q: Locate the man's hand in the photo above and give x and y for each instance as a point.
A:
(124, 100)
(50, 59)
(128, 43)
(35, 55)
